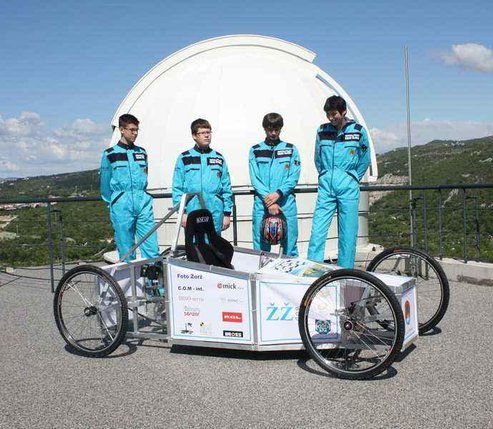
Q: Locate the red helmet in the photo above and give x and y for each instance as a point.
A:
(273, 229)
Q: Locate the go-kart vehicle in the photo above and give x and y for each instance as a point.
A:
(353, 323)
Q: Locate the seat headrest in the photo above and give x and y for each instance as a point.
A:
(200, 221)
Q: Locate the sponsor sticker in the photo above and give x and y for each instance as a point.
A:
(322, 327)
(407, 312)
(205, 329)
(284, 312)
(191, 311)
(234, 334)
(190, 276)
(190, 288)
(188, 329)
(233, 317)
(229, 285)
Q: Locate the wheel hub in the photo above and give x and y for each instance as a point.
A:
(90, 311)
(348, 326)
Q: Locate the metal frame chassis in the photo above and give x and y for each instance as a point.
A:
(136, 301)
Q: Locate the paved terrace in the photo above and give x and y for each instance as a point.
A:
(445, 380)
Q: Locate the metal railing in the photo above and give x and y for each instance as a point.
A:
(457, 225)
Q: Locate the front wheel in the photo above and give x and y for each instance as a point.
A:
(432, 287)
(340, 329)
(90, 311)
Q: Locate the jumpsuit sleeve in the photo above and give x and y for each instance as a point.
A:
(178, 181)
(364, 159)
(318, 161)
(105, 179)
(294, 174)
(257, 183)
(227, 193)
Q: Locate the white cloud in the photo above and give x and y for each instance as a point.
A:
(8, 166)
(29, 148)
(395, 135)
(471, 56)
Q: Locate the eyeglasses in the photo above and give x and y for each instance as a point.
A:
(204, 133)
(132, 130)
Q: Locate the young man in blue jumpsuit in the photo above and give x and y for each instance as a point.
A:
(274, 173)
(342, 155)
(123, 180)
(202, 169)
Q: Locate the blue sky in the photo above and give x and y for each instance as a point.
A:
(66, 65)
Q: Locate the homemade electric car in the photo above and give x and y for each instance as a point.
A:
(207, 293)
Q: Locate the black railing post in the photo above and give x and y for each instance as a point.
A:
(440, 225)
(50, 246)
(477, 229)
(425, 221)
(235, 224)
(62, 240)
(414, 234)
(464, 218)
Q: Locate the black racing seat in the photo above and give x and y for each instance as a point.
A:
(213, 251)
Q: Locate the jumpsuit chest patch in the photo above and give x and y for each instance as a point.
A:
(215, 161)
(352, 137)
(283, 153)
(139, 156)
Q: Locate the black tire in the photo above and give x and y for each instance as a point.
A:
(358, 347)
(432, 286)
(90, 311)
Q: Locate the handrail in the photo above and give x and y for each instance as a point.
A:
(304, 189)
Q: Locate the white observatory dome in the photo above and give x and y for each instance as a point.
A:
(232, 81)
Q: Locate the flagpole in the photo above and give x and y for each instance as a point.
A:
(406, 70)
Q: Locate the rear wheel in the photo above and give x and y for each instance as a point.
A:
(90, 311)
(340, 329)
(433, 291)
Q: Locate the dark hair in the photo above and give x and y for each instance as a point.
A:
(126, 119)
(273, 120)
(335, 103)
(199, 123)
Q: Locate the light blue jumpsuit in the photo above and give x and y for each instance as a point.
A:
(204, 171)
(341, 158)
(123, 183)
(275, 168)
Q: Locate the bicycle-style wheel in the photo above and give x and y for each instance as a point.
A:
(432, 287)
(340, 332)
(90, 311)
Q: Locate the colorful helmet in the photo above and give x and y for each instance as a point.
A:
(273, 229)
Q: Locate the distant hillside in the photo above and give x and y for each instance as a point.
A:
(438, 162)
(84, 183)
(442, 162)
(88, 233)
